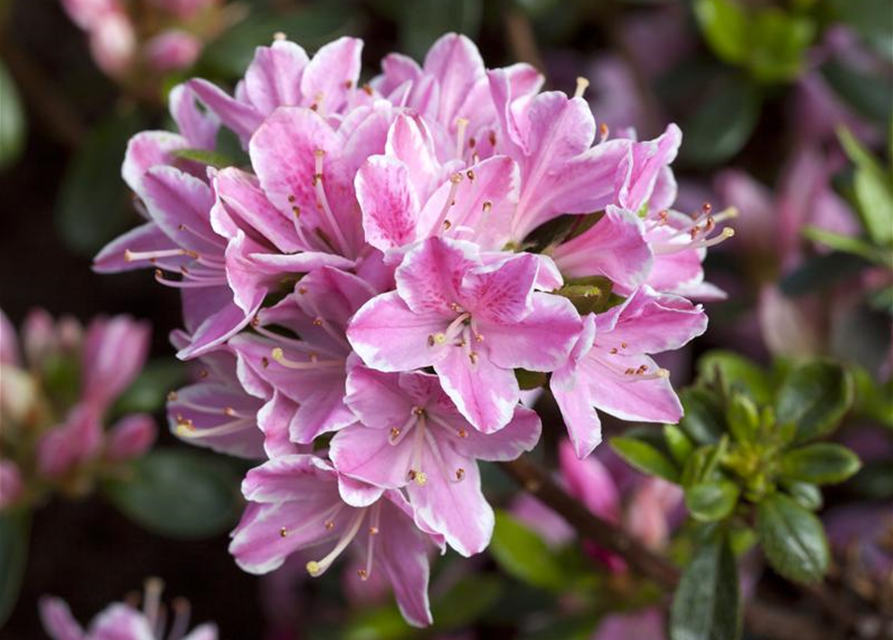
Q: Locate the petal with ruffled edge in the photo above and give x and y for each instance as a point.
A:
(366, 453)
(640, 169)
(483, 392)
(518, 436)
(500, 293)
(332, 73)
(430, 277)
(389, 203)
(242, 118)
(198, 127)
(389, 336)
(457, 64)
(273, 78)
(540, 341)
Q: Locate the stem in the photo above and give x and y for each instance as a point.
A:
(763, 619)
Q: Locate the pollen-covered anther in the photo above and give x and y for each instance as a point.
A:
(603, 131)
(229, 411)
(302, 290)
(373, 531)
(283, 532)
(473, 356)
(582, 85)
(364, 575)
(436, 338)
(487, 206)
(478, 337)
(460, 474)
(329, 525)
(462, 433)
(313, 568)
(419, 477)
(447, 225)
(418, 411)
(279, 36)
(470, 174)
(317, 322)
(395, 433)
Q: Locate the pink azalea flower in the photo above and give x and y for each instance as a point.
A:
(172, 50)
(298, 502)
(473, 322)
(411, 435)
(124, 622)
(610, 367)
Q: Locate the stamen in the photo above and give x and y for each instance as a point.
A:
(461, 125)
(187, 429)
(279, 356)
(182, 612)
(370, 549)
(323, 202)
(279, 36)
(455, 180)
(603, 132)
(582, 85)
(152, 256)
(152, 599)
(318, 567)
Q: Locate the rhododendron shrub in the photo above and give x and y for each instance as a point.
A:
(394, 261)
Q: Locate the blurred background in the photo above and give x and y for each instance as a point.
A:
(785, 107)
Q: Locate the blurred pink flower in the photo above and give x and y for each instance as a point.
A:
(172, 50)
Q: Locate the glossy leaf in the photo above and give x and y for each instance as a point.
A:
(743, 418)
(14, 532)
(703, 420)
(807, 495)
(778, 44)
(848, 244)
(820, 463)
(678, 443)
(13, 126)
(522, 553)
(645, 458)
(792, 539)
(179, 493)
(725, 26)
(874, 190)
(711, 501)
(814, 397)
(707, 604)
(722, 123)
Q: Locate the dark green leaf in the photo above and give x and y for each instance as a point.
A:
(882, 300)
(645, 458)
(710, 501)
(528, 380)
(736, 373)
(678, 443)
(873, 19)
(792, 539)
(707, 603)
(820, 272)
(179, 493)
(726, 28)
(310, 26)
(814, 397)
(467, 601)
(848, 244)
(875, 480)
(14, 532)
(523, 554)
(723, 122)
(12, 120)
(94, 205)
(820, 463)
(703, 420)
(807, 495)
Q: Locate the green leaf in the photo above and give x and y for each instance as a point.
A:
(874, 190)
(726, 28)
(703, 420)
(792, 539)
(867, 92)
(15, 525)
(645, 458)
(678, 443)
(736, 373)
(707, 603)
(467, 601)
(778, 44)
(12, 120)
(148, 393)
(430, 19)
(814, 397)
(312, 26)
(590, 295)
(93, 205)
(874, 481)
(882, 300)
(711, 501)
(807, 495)
(203, 156)
(722, 123)
(179, 493)
(743, 418)
(820, 463)
(848, 244)
(521, 553)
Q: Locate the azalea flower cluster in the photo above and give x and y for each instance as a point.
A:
(367, 290)
(158, 36)
(56, 388)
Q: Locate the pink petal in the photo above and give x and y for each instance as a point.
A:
(640, 169)
(501, 292)
(58, 621)
(590, 481)
(483, 392)
(199, 128)
(389, 336)
(273, 78)
(541, 341)
(430, 276)
(242, 118)
(131, 437)
(521, 434)
(377, 398)
(218, 328)
(181, 205)
(356, 493)
(614, 247)
(624, 397)
(456, 63)
(114, 352)
(389, 203)
(298, 478)
(366, 454)
(410, 141)
(146, 150)
(332, 73)
(120, 621)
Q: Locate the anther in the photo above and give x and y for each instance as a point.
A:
(463, 433)
(317, 322)
(487, 206)
(229, 411)
(470, 174)
(279, 36)
(283, 532)
(460, 473)
(264, 362)
(603, 131)
(171, 396)
(364, 575)
(348, 84)
(395, 433)
(367, 88)
(373, 531)
(329, 524)
(582, 85)
(473, 356)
